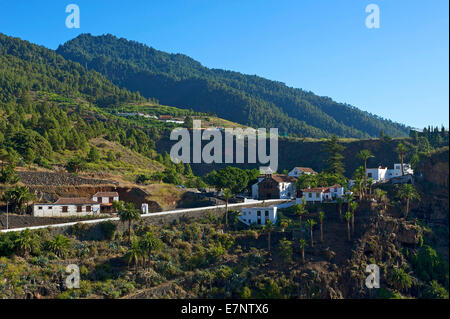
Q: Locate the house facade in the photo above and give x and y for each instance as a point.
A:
(258, 215)
(255, 193)
(383, 173)
(63, 207)
(298, 171)
(378, 174)
(106, 197)
(276, 187)
(397, 170)
(321, 194)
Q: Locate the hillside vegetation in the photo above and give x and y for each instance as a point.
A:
(177, 80)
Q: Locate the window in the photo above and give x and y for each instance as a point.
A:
(259, 221)
(258, 213)
(50, 207)
(40, 207)
(88, 208)
(79, 209)
(369, 174)
(65, 209)
(111, 199)
(267, 213)
(309, 195)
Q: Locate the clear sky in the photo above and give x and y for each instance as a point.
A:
(399, 71)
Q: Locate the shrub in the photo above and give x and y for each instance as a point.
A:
(215, 252)
(79, 229)
(59, 245)
(435, 291)
(246, 293)
(286, 250)
(428, 265)
(399, 279)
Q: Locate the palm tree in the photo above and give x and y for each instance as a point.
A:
(348, 217)
(284, 223)
(268, 227)
(400, 279)
(303, 244)
(59, 245)
(408, 192)
(149, 244)
(25, 242)
(339, 201)
(134, 254)
(370, 185)
(310, 223)
(401, 150)
(300, 209)
(365, 155)
(321, 216)
(117, 206)
(226, 195)
(129, 214)
(19, 196)
(381, 196)
(353, 206)
(349, 199)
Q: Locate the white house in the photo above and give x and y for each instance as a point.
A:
(383, 173)
(258, 215)
(378, 174)
(320, 194)
(63, 207)
(105, 199)
(397, 171)
(298, 171)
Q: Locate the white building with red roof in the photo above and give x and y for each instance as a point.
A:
(67, 206)
(298, 171)
(106, 197)
(322, 194)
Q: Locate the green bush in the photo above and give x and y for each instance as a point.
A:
(429, 265)
(286, 250)
(435, 291)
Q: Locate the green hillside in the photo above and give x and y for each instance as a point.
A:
(177, 80)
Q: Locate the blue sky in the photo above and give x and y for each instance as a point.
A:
(399, 71)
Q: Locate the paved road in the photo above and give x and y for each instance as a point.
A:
(168, 212)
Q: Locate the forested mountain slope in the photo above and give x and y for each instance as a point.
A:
(178, 80)
(50, 105)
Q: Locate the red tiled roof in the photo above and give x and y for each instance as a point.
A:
(320, 189)
(106, 194)
(74, 201)
(305, 169)
(281, 178)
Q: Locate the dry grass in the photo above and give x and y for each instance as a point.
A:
(166, 195)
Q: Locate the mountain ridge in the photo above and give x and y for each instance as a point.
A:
(178, 80)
